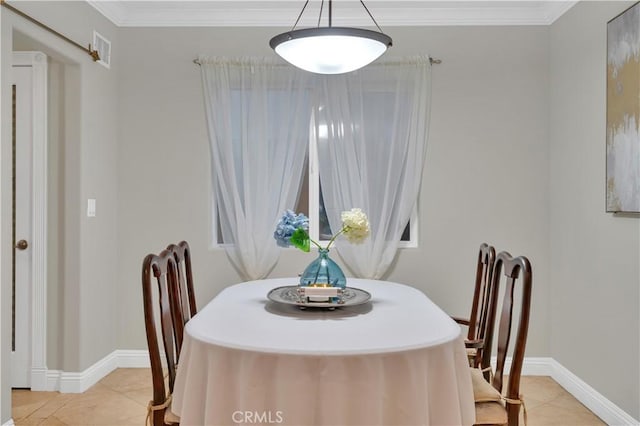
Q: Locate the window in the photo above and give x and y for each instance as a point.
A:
(310, 198)
(311, 203)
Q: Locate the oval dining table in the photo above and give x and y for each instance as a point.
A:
(396, 360)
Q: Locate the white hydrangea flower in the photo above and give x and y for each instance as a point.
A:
(355, 225)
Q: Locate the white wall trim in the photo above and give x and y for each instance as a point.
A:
(609, 412)
(80, 382)
(38, 63)
(282, 14)
(52, 380)
(9, 423)
(133, 358)
(534, 366)
(592, 399)
(74, 382)
(39, 379)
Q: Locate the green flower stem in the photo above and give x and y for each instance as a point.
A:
(334, 237)
(317, 245)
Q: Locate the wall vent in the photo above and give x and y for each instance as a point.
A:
(103, 46)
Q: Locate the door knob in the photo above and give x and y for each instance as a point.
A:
(22, 245)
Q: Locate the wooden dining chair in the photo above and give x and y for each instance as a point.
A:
(161, 271)
(477, 322)
(493, 406)
(182, 254)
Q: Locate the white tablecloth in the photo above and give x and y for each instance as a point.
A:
(396, 360)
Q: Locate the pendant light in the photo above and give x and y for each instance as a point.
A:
(330, 50)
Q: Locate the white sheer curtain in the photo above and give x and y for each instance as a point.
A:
(371, 128)
(258, 120)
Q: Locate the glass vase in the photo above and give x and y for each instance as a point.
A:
(323, 272)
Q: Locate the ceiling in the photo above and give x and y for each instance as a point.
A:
(283, 13)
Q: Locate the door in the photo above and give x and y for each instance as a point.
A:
(29, 271)
(22, 111)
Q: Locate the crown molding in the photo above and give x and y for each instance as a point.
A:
(268, 13)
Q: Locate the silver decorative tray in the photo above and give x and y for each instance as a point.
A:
(289, 295)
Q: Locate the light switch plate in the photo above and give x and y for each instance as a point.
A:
(91, 207)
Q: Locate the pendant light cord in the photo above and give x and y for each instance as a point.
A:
(300, 16)
(370, 15)
(331, 14)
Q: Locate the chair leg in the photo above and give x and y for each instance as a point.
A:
(513, 414)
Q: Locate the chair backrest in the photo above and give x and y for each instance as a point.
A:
(517, 276)
(182, 254)
(187, 299)
(480, 306)
(161, 271)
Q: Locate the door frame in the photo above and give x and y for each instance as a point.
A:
(38, 63)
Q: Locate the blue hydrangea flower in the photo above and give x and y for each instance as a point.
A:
(287, 225)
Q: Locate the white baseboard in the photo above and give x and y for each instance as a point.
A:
(70, 382)
(39, 379)
(133, 358)
(80, 382)
(9, 423)
(51, 381)
(530, 366)
(533, 366)
(609, 412)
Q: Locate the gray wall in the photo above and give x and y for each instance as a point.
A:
(82, 158)
(595, 256)
(82, 291)
(486, 176)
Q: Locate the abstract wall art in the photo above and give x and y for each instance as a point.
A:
(623, 112)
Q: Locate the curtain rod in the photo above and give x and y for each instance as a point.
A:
(432, 61)
(93, 53)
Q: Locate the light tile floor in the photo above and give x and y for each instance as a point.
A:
(120, 399)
